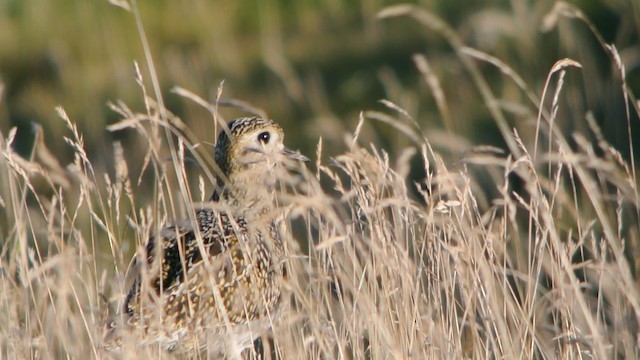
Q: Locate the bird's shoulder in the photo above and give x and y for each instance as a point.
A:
(178, 248)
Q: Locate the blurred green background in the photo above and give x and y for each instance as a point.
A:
(311, 65)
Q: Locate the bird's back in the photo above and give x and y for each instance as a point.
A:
(226, 284)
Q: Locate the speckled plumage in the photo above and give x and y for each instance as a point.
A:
(224, 290)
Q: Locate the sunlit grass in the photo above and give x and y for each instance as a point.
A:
(524, 252)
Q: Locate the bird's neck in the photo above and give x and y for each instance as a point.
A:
(258, 206)
(248, 201)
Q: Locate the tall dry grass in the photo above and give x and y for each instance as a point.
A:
(544, 269)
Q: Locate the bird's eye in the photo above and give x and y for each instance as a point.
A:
(264, 137)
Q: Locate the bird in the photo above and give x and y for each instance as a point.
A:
(214, 283)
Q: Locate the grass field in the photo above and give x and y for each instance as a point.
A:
(486, 208)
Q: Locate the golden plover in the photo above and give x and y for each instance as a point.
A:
(215, 284)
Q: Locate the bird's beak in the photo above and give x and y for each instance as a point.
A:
(293, 155)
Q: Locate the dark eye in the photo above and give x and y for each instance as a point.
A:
(264, 137)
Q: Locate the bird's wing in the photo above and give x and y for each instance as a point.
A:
(177, 249)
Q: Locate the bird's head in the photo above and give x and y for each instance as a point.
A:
(249, 152)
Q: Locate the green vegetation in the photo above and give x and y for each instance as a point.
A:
(487, 208)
